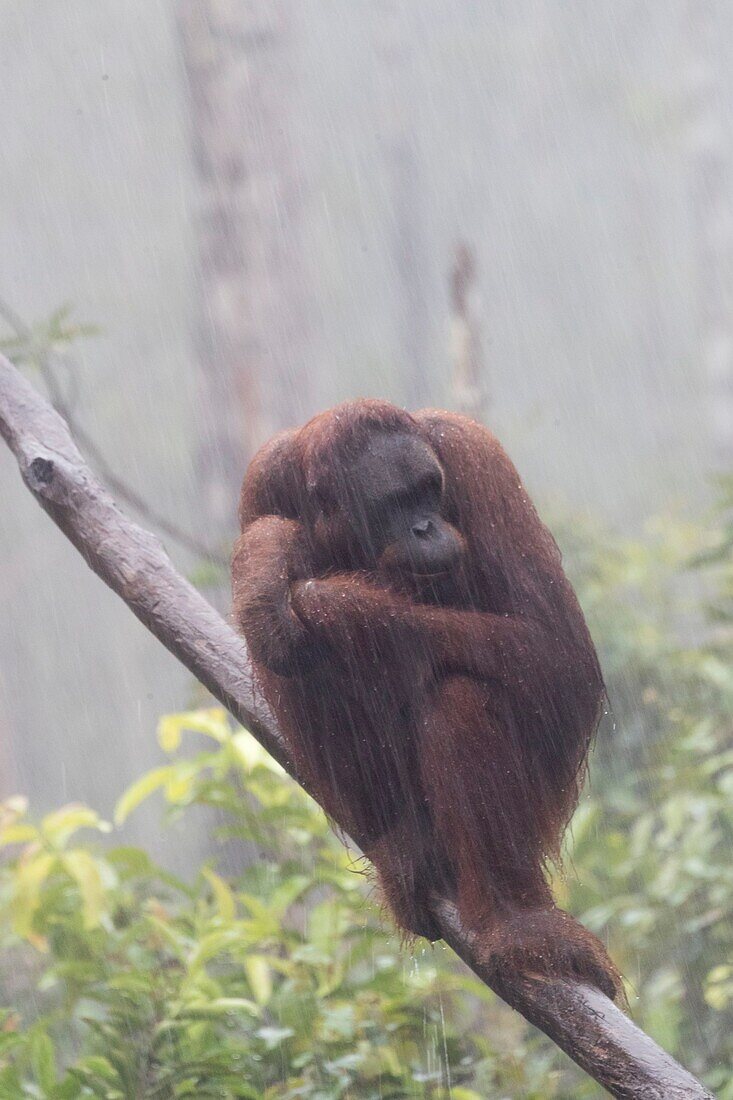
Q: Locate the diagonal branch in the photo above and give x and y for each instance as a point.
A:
(45, 362)
(584, 1023)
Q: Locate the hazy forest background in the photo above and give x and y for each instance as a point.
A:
(255, 210)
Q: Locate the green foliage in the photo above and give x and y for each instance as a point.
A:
(30, 344)
(720, 555)
(651, 843)
(275, 982)
(278, 979)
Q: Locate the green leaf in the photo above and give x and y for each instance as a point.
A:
(29, 879)
(129, 861)
(213, 944)
(225, 903)
(217, 1008)
(17, 834)
(211, 721)
(43, 1060)
(259, 975)
(84, 869)
(180, 783)
(250, 754)
(169, 732)
(60, 825)
(100, 1067)
(139, 791)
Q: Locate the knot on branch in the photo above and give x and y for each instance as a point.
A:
(41, 473)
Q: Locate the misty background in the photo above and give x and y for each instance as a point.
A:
(260, 205)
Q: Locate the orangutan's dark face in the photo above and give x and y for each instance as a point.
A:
(385, 510)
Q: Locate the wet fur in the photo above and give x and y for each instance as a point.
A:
(446, 727)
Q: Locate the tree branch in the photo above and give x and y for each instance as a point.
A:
(45, 362)
(579, 1019)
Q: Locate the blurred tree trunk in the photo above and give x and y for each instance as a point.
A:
(239, 64)
(469, 381)
(404, 185)
(410, 259)
(712, 207)
(712, 213)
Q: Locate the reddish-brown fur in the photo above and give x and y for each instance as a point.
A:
(447, 736)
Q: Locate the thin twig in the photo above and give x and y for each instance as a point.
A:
(469, 380)
(584, 1023)
(44, 359)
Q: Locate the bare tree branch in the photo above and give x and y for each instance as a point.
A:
(469, 378)
(44, 359)
(584, 1023)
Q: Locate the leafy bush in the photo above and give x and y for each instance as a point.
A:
(651, 842)
(280, 983)
(278, 980)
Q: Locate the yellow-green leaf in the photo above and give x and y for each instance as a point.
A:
(29, 879)
(223, 896)
(139, 791)
(43, 1060)
(211, 721)
(18, 834)
(221, 1006)
(169, 732)
(259, 975)
(213, 944)
(180, 781)
(62, 824)
(250, 754)
(84, 869)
